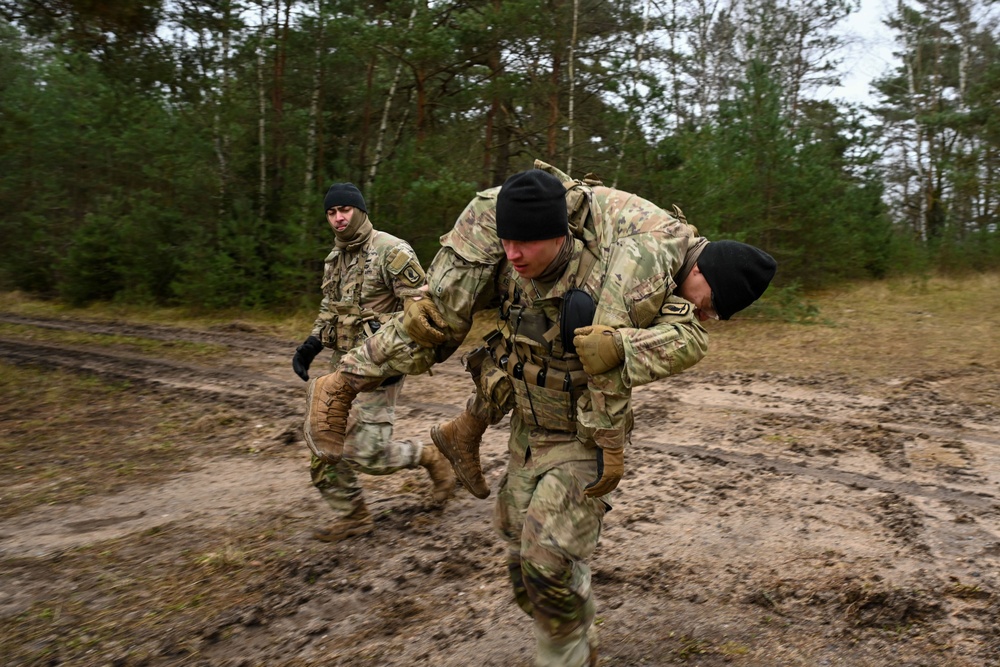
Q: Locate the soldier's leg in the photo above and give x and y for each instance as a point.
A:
(370, 449)
(339, 486)
(561, 531)
(513, 497)
(460, 439)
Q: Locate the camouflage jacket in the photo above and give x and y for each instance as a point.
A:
(365, 286)
(639, 247)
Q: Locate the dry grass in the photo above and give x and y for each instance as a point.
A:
(867, 330)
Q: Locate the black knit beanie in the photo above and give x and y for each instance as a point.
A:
(737, 273)
(531, 206)
(344, 194)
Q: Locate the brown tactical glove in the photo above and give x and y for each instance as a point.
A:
(423, 322)
(328, 402)
(610, 462)
(600, 348)
(610, 468)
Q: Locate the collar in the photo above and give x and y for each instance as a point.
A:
(690, 259)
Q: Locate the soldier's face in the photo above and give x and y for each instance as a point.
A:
(531, 258)
(339, 217)
(697, 290)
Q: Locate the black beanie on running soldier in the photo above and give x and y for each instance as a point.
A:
(531, 206)
(737, 273)
(344, 194)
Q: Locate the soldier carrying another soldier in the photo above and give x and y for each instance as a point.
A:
(583, 277)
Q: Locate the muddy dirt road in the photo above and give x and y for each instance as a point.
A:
(764, 520)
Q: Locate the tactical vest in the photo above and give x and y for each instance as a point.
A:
(347, 324)
(532, 350)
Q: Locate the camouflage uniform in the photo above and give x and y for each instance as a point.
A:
(362, 289)
(626, 252)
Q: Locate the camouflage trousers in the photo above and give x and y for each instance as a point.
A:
(368, 448)
(551, 529)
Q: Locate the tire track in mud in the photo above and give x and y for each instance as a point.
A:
(234, 336)
(860, 481)
(250, 390)
(238, 389)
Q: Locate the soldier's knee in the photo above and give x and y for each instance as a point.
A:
(557, 607)
(517, 583)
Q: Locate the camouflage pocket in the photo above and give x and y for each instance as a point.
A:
(495, 386)
(349, 332)
(548, 408)
(644, 300)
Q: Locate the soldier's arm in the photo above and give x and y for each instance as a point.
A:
(459, 287)
(660, 334)
(674, 342)
(403, 273)
(326, 316)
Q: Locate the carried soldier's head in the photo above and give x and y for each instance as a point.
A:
(727, 277)
(532, 223)
(345, 210)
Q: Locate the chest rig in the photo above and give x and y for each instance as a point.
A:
(533, 348)
(347, 324)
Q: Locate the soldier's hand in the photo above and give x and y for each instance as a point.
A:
(600, 348)
(423, 322)
(610, 468)
(304, 355)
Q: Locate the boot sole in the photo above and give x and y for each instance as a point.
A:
(307, 427)
(476, 486)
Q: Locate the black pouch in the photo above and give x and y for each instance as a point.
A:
(578, 309)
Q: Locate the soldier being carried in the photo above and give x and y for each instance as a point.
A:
(551, 253)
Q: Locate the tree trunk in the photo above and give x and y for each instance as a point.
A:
(261, 119)
(553, 124)
(572, 86)
(309, 185)
(384, 124)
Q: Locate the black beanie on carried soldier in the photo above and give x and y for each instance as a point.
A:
(737, 273)
(531, 206)
(344, 194)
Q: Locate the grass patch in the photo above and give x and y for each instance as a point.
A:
(874, 329)
(293, 325)
(183, 350)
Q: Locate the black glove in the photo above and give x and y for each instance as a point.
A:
(304, 354)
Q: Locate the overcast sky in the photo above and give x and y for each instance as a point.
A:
(869, 54)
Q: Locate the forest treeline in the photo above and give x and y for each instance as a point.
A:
(177, 151)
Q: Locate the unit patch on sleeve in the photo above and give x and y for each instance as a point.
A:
(406, 268)
(678, 308)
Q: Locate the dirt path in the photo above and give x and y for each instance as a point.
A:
(763, 520)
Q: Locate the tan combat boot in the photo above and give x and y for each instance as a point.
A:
(440, 471)
(358, 522)
(459, 441)
(328, 402)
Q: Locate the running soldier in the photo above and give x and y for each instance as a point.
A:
(367, 277)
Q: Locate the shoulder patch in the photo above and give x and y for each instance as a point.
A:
(405, 267)
(397, 260)
(678, 308)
